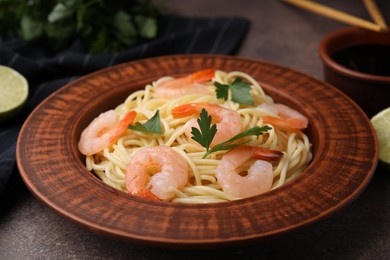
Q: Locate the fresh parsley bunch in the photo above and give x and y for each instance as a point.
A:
(101, 25)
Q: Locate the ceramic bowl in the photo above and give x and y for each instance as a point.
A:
(343, 144)
(357, 62)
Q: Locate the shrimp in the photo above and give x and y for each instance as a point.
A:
(190, 84)
(103, 131)
(287, 118)
(259, 175)
(228, 121)
(169, 168)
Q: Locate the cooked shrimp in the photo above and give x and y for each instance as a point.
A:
(102, 131)
(165, 165)
(228, 121)
(259, 175)
(286, 119)
(190, 84)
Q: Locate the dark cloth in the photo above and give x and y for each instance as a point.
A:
(47, 72)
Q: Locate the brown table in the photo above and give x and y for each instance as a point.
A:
(279, 34)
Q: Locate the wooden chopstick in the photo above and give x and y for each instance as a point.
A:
(334, 14)
(374, 12)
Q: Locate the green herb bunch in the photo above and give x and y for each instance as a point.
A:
(101, 25)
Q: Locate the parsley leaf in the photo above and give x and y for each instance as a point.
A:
(153, 125)
(240, 91)
(230, 144)
(222, 91)
(207, 131)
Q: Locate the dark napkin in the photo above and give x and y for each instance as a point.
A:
(47, 72)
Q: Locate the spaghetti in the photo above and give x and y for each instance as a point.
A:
(202, 186)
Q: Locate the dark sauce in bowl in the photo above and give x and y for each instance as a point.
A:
(369, 59)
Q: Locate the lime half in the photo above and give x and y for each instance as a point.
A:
(13, 92)
(381, 123)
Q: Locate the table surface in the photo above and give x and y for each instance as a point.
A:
(279, 34)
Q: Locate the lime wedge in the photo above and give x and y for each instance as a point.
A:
(13, 92)
(381, 123)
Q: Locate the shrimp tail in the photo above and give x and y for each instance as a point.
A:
(266, 154)
(185, 110)
(285, 124)
(128, 119)
(123, 125)
(144, 193)
(202, 76)
(191, 109)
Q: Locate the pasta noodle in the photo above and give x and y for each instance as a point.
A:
(110, 165)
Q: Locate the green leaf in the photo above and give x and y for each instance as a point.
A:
(59, 32)
(222, 91)
(241, 92)
(230, 144)
(147, 26)
(206, 132)
(153, 125)
(30, 28)
(59, 12)
(100, 41)
(123, 25)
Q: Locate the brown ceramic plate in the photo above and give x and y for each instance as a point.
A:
(344, 147)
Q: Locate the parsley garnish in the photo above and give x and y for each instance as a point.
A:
(240, 91)
(207, 131)
(222, 90)
(153, 125)
(230, 144)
